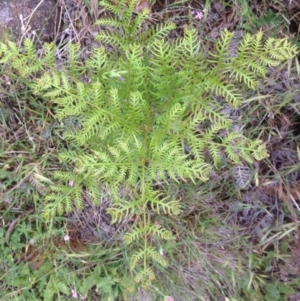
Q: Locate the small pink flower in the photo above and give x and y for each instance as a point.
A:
(71, 183)
(74, 294)
(66, 237)
(198, 14)
(30, 138)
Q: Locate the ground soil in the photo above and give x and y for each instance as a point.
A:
(29, 18)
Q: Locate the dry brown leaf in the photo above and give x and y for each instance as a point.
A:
(11, 228)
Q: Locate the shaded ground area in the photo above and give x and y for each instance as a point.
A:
(29, 18)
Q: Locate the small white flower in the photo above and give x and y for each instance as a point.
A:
(74, 294)
(198, 14)
(66, 237)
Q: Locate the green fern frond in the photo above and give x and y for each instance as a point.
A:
(130, 7)
(48, 58)
(190, 46)
(97, 60)
(259, 150)
(174, 114)
(169, 207)
(177, 165)
(136, 257)
(242, 75)
(250, 45)
(29, 50)
(278, 49)
(160, 232)
(111, 22)
(60, 201)
(147, 254)
(77, 199)
(233, 155)
(137, 233)
(127, 28)
(134, 234)
(145, 276)
(68, 157)
(9, 52)
(73, 61)
(223, 48)
(159, 32)
(51, 211)
(216, 154)
(226, 90)
(257, 67)
(151, 111)
(115, 9)
(156, 257)
(137, 21)
(110, 39)
(123, 209)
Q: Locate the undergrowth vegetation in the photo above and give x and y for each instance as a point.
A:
(159, 165)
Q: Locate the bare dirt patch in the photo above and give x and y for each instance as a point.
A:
(28, 18)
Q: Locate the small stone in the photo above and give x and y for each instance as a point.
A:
(28, 18)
